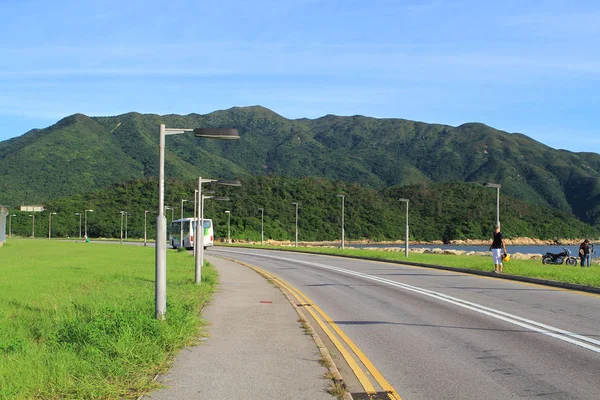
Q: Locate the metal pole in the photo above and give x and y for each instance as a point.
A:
(296, 242)
(79, 224)
(145, 238)
(121, 227)
(406, 244)
(228, 227)
(161, 232)
(195, 221)
(406, 232)
(262, 226)
(201, 240)
(50, 225)
(498, 207)
(343, 200)
(10, 224)
(181, 226)
(86, 232)
(199, 231)
(126, 214)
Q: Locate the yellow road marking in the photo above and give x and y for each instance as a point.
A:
(363, 379)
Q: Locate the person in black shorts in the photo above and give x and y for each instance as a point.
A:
(498, 248)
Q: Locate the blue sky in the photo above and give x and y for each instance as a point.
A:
(521, 66)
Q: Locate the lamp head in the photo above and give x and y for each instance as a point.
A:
(217, 133)
(493, 185)
(233, 182)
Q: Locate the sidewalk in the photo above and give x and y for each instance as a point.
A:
(256, 348)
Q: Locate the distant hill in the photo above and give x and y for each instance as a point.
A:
(80, 153)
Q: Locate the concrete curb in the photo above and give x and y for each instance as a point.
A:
(537, 281)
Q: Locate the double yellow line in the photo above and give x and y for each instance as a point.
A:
(343, 343)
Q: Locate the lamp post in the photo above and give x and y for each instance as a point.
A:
(79, 224)
(172, 209)
(343, 198)
(126, 214)
(200, 231)
(122, 213)
(406, 236)
(85, 224)
(50, 224)
(228, 222)
(199, 244)
(32, 225)
(181, 224)
(10, 224)
(296, 242)
(262, 226)
(145, 236)
(161, 223)
(497, 186)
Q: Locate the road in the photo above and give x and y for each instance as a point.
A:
(443, 335)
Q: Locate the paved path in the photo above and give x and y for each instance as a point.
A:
(256, 347)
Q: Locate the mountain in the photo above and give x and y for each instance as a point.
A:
(82, 153)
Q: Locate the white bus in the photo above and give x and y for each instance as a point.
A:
(189, 227)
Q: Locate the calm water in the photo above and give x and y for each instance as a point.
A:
(510, 249)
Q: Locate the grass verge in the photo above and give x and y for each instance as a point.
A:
(77, 319)
(530, 268)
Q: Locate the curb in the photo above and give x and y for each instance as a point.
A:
(538, 281)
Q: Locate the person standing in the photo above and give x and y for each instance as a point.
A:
(498, 248)
(584, 253)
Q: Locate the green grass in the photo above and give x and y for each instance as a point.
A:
(77, 319)
(530, 268)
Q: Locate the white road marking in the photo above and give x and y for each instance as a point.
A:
(570, 337)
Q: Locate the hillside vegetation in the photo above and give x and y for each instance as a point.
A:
(437, 211)
(81, 153)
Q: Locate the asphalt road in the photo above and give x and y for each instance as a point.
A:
(443, 335)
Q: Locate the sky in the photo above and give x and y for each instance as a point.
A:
(531, 67)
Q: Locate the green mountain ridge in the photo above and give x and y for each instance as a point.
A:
(80, 153)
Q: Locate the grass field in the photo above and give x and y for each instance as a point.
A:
(531, 268)
(77, 319)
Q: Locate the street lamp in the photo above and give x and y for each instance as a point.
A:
(199, 243)
(32, 225)
(126, 214)
(296, 243)
(200, 231)
(50, 224)
(172, 209)
(497, 186)
(122, 213)
(10, 224)
(161, 223)
(85, 218)
(406, 241)
(181, 224)
(145, 237)
(262, 226)
(228, 222)
(79, 224)
(343, 198)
